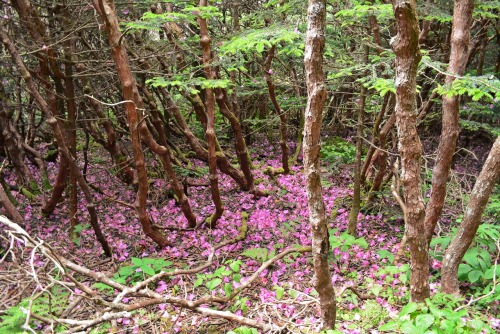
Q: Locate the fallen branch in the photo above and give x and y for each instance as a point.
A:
(116, 309)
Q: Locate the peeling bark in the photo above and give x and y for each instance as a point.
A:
(316, 92)
(460, 35)
(408, 55)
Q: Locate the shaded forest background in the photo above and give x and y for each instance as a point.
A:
(168, 155)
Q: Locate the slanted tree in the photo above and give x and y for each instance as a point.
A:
(489, 176)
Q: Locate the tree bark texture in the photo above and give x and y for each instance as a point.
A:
(316, 92)
(60, 137)
(285, 151)
(134, 119)
(408, 55)
(456, 250)
(460, 35)
(356, 199)
(210, 131)
(13, 142)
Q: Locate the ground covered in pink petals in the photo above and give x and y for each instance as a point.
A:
(371, 289)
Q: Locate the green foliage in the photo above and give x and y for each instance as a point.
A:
(138, 271)
(189, 14)
(478, 266)
(361, 11)
(189, 85)
(213, 280)
(260, 254)
(338, 151)
(252, 40)
(436, 316)
(345, 241)
(493, 208)
(477, 87)
(382, 85)
(77, 233)
(243, 330)
(46, 305)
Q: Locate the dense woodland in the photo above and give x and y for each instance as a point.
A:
(282, 166)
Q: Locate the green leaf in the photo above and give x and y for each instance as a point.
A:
(488, 274)
(477, 324)
(474, 276)
(147, 270)
(279, 292)
(409, 308)
(389, 327)
(235, 266)
(256, 253)
(127, 271)
(463, 269)
(137, 262)
(228, 288)
(424, 321)
(198, 282)
(211, 285)
(408, 328)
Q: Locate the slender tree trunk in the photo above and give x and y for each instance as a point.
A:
(316, 92)
(71, 132)
(285, 151)
(356, 200)
(13, 142)
(111, 143)
(375, 137)
(134, 119)
(210, 132)
(59, 135)
(455, 252)
(460, 35)
(408, 55)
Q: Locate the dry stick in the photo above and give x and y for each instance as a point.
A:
(58, 133)
(154, 297)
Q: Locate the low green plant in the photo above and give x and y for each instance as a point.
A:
(46, 305)
(338, 151)
(243, 330)
(436, 316)
(213, 280)
(138, 271)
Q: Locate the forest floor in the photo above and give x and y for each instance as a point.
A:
(371, 290)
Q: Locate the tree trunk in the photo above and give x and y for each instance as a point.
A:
(460, 35)
(133, 103)
(356, 200)
(9, 207)
(472, 219)
(59, 135)
(316, 92)
(281, 114)
(71, 133)
(210, 131)
(408, 55)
